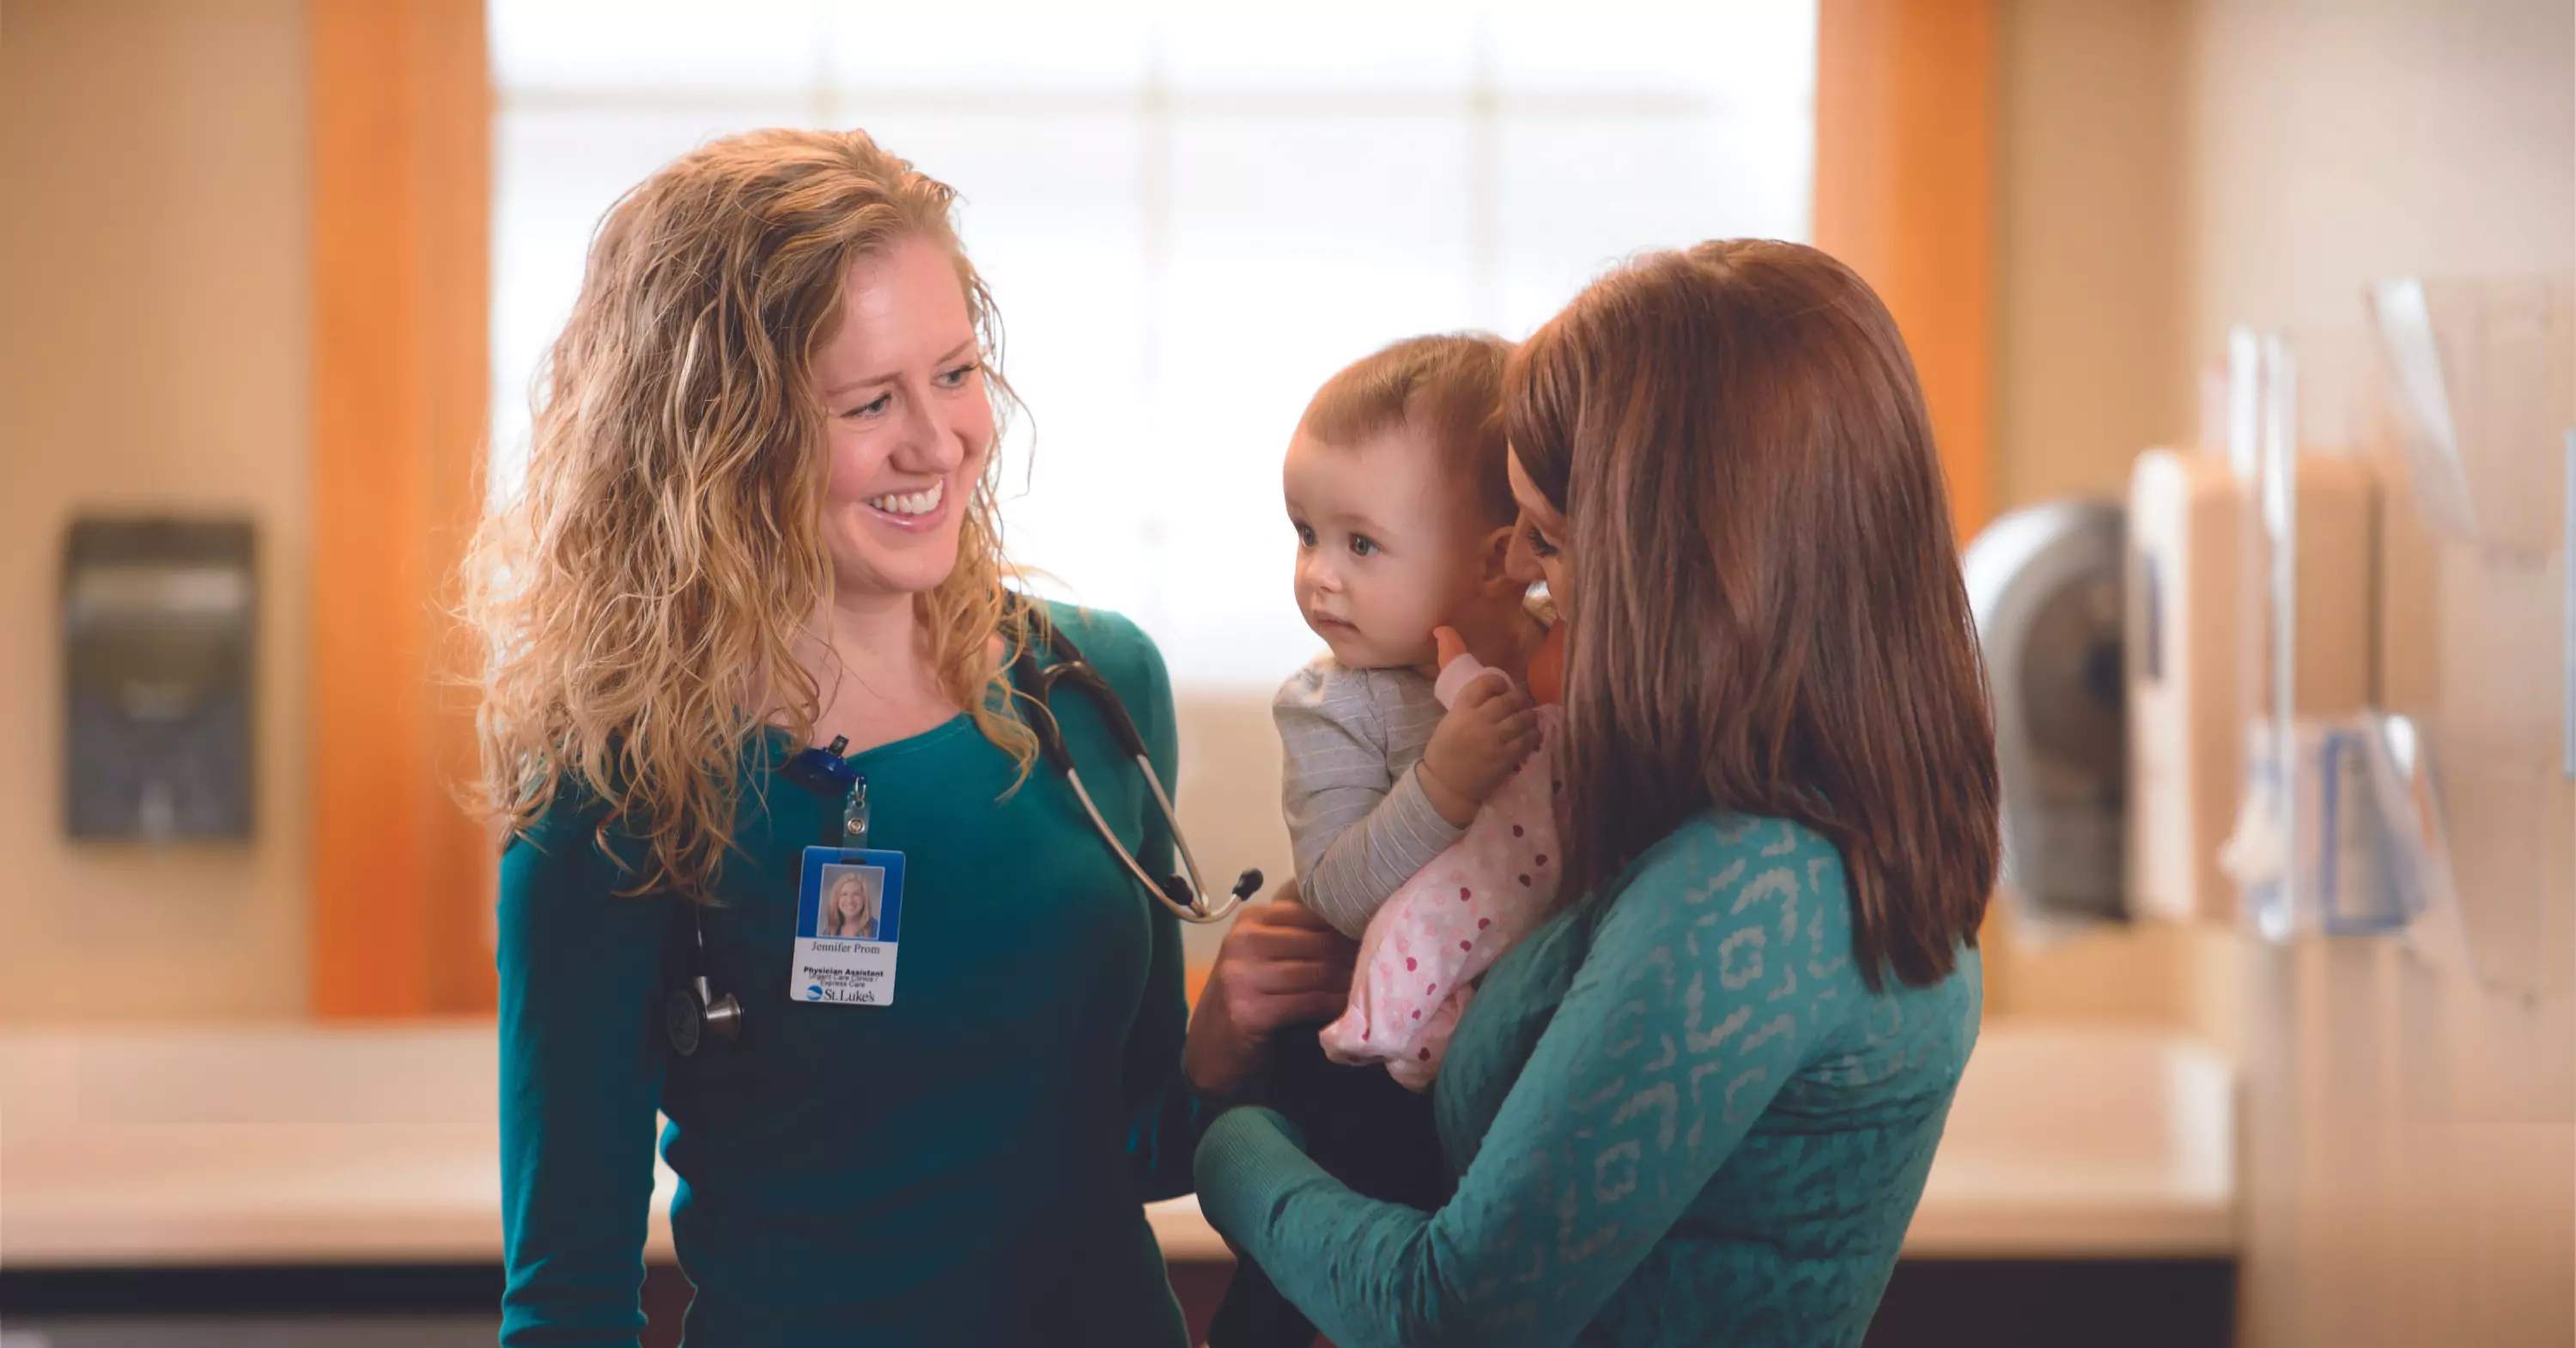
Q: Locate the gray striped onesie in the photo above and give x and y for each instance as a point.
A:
(1358, 821)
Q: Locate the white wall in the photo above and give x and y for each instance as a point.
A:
(2168, 169)
(2409, 1176)
(2336, 142)
(152, 356)
(2092, 359)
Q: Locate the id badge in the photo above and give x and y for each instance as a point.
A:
(849, 912)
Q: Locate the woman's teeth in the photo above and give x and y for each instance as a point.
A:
(912, 503)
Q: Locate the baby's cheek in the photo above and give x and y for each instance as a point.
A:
(1424, 607)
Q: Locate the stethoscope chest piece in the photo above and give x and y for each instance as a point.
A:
(692, 1011)
(688, 1017)
(684, 1019)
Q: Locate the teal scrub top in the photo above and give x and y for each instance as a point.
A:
(965, 1166)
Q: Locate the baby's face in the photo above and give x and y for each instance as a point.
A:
(1384, 553)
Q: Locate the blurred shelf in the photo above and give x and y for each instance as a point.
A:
(150, 1147)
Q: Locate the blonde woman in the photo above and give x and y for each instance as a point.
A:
(851, 911)
(759, 516)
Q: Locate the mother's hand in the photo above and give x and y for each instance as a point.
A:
(1280, 965)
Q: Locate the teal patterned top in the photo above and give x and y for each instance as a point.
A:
(1678, 1117)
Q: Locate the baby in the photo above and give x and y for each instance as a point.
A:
(1397, 486)
(1413, 826)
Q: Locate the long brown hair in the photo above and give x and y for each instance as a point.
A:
(1768, 613)
(639, 599)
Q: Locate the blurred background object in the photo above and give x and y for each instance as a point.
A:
(157, 617)
(292, 263)
(2047, 583)
(2411, 1027)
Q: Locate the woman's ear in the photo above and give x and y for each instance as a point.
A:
(1494, 577)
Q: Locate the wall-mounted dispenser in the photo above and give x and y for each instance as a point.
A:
(159, 625)
(2046, 587)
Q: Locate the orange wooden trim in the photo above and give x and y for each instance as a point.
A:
(1905, 193)
(400, 163)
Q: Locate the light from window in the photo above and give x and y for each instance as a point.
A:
(1189, 214)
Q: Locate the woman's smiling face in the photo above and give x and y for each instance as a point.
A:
(908, 423)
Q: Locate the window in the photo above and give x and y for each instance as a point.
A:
(1189, 214)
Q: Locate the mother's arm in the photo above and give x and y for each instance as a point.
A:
(1703, 990)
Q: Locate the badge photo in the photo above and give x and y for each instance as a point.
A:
(849, 918)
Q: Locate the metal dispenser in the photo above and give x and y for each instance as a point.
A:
(159, 626)
(2046, 585)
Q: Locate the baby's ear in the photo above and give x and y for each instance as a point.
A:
(1495, 576)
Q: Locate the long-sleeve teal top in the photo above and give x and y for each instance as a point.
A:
(965, 1166)
(1680, 1117)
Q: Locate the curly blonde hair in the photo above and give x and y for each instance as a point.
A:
(638, 602)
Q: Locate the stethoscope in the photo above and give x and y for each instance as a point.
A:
(695, 1009)
(1187, 899)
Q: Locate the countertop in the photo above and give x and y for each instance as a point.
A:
(151, 1147)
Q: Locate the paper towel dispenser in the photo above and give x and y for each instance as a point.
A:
(2047, 588)
(159, 625)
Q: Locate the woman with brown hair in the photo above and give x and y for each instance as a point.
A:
(1698, 1105)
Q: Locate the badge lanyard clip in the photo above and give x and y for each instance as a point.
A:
(825, 771)
(854, 813)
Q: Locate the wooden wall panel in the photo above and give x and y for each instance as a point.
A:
(1905, 193)
(401, 223)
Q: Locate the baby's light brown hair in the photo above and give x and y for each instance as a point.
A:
(1447, 387)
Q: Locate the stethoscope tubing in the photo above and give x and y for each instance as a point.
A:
(696, 1009)
(1039, 690)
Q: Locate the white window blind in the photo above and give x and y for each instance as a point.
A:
(1190, 214)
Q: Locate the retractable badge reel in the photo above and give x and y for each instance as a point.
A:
(849, 901)
(697, 1009)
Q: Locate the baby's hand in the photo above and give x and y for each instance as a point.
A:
(1492, 727)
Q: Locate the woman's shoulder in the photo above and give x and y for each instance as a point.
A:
(1115, 645)
(1781, 877)
(1722, 841)
(1727, 863)
(569, 846)
(577, 833)
(571, 814)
